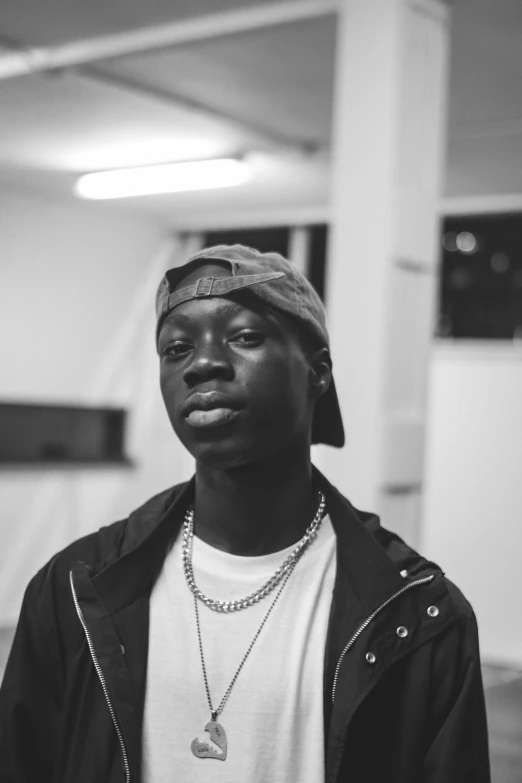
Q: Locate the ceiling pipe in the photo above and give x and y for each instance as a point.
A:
(31, 60)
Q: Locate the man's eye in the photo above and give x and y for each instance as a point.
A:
(176, 349)
(250, 339)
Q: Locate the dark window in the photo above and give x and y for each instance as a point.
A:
(265, 240)
(277, 240)
(481, 280)
(317, 259)
(50, 434)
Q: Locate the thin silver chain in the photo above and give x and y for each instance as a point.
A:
(299, 550)
(214, 713)
(284, 569)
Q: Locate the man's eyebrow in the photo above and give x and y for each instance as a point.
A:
(173, 317)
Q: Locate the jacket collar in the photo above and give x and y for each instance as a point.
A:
(150, 530)
(371, 573)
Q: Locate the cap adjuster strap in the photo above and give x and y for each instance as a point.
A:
(225, 285)
(204, 287)
(217, 286)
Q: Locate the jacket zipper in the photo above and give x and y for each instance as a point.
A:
(367, 622)
(102, 679)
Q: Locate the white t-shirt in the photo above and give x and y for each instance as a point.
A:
(273, 718)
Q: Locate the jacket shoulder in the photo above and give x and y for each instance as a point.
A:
(109, 542)
(409, 559)
(48, 614)
(460, 603)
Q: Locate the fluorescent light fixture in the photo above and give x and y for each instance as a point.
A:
(168, 178)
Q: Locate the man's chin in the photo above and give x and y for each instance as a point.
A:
(233, 445)
(221, 456)
(230, 456)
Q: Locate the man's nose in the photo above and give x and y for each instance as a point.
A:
(209, 361)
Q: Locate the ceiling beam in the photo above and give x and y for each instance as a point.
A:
(480, 205)
(267, 135)
(28, 60)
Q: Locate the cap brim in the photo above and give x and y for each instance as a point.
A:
(327, 424)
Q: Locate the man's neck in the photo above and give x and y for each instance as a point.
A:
(258, 509)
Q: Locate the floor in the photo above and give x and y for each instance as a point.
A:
(504, 704)
(6, 635)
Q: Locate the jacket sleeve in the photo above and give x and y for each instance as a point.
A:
(30, 693)
(460, 752)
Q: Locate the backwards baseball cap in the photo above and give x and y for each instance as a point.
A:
(278, 283)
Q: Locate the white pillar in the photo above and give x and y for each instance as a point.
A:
(387, 151)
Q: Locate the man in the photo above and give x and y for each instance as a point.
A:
(249, 625)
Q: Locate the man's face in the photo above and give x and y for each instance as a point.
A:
(234, 377)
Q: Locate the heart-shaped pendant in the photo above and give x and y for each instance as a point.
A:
(215, 747)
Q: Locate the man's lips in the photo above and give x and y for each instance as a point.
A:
(209, 409)
(211, 418)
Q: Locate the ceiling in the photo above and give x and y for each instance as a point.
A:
(51, 22)
(485, 111)
(264, 91)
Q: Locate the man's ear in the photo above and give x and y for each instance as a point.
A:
(321, 371)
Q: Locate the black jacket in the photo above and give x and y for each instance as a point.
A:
(403, 703)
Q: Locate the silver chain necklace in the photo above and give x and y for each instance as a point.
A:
(218, 747)
(271, 584)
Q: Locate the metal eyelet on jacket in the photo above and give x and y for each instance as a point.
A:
(366, 623)
(404, 573)
(370, 657)
(433, 611)
(402, 632)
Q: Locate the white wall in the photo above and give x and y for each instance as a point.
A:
(77, 325)
(472, 522)
(67, 273)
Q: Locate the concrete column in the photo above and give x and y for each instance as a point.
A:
(387, 152)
